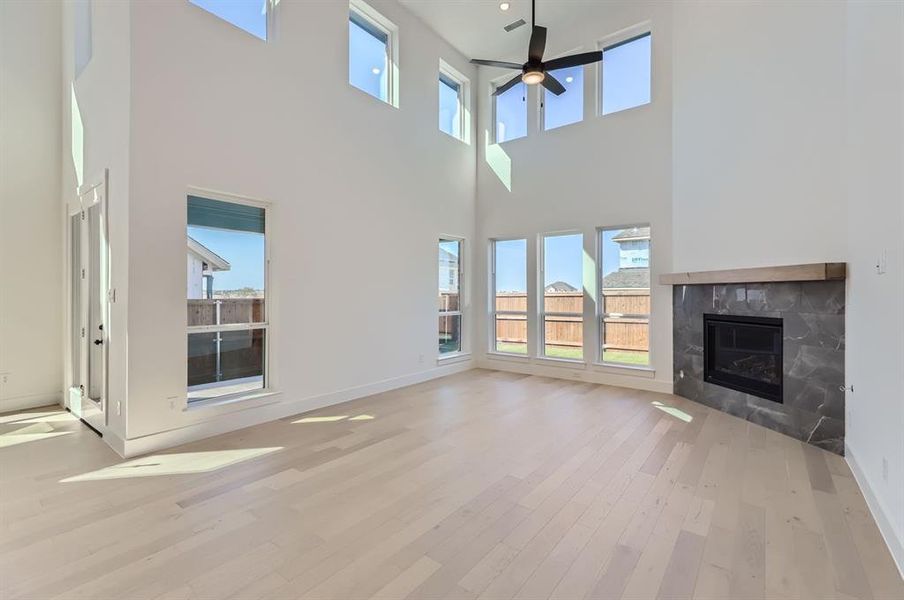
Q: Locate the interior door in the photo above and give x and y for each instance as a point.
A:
(89, 306)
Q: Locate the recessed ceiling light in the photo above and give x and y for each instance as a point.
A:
(504, 6)
(569, 79)
(375, 71)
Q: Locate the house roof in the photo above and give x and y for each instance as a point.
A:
(628, 278)
(634, 233)
(561, 286)
(213, 260)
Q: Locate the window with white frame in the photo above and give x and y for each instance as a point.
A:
(248, 15)
(450, 298)
(626, 74)
(508, 306)
(562, 306)
(510, 113)
(625, 295)
(453, 102)
(372, 50)
(567, 107)
(226, 289)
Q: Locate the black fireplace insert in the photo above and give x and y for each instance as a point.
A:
(744, 354)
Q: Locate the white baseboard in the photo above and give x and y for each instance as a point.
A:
(879, 511)
(577, 373)
(30, 401)
(270, 412)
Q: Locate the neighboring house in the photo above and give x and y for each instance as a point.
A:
(560, 286)
(448, 271)
(202, 264)
(633, 260)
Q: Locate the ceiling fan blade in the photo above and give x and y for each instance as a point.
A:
(495, 63)
(553, 85)
(537, 44)
(575, 60)
(507, 85)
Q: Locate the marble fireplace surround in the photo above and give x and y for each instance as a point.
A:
(813, 346)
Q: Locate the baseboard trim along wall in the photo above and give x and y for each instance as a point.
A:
(878, 510)
(579, 372)
(30, 401)
(258, 414)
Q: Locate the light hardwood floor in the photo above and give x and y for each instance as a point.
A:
(481, 485)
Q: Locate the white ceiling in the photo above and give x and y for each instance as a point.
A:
(475, 27)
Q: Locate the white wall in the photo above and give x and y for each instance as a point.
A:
(604, 171)
(31, 306)
(875, 225)
(758, 134)
(360, 193)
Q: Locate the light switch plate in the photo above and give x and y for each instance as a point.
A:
(882, 262)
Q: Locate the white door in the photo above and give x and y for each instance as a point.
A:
(88, 301)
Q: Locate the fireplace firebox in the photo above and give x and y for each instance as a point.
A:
(744, 354)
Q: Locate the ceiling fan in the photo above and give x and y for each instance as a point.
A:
(536, 71)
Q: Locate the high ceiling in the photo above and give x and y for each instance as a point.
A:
(475, 27)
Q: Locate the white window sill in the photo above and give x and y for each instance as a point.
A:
(453, 357)
(566, 363)
(491, 354)
(633, 370)
(264, 396)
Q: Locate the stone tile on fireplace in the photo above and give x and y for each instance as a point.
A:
(815, 329)
(814, 363)
(729, 299)
(825, 297)
(773, 297)
(825, 432)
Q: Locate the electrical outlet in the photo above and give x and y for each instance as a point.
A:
(118, 408)
(884, 469)
(882, 262)
(420, 358)
(4, 378)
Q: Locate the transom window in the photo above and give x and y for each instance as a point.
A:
(449, 299)
(510, 113)
(371, 52)
(562, 312)
(626, 74)
(568, 107)
(454, 97)
(625, 295)
(226, 291)
(248, 15)
(509, 302)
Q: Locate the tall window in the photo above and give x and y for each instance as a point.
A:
(249, 15)
(450, 314)
(450, 106)
(568, 107)
(626, 74)
(510, 113)
(81, 15)
(226, 290)
(509, 309)
(562, 315)
(370, 52)
(625, 299)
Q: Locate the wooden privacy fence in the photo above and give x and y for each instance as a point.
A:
(621, 333)
(232, 310)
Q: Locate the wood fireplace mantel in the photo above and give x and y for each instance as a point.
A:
(808, 272)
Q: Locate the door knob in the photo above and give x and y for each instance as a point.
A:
(98, 342)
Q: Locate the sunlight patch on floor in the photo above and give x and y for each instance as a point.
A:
(173, 464)
(29, 433)
(31, 417)
(675, 412)
(334, 418)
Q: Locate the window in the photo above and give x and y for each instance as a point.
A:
(227, 283)
(510, 113)
(568, 107)
(626, 74)
(449, 296)
(371, 52)
(454, 102)
(625, 301)
(249, 15)
(509, 303)
(81, 15)
(562, 315)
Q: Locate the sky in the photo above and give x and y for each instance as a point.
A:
(626, 75)
(367, 62)
(569, 107)
(243, 251)
(250, 15)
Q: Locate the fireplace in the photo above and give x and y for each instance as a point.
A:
(744, 354)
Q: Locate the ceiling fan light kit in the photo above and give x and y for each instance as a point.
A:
(535, 71)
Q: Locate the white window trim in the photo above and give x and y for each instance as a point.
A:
(495, 83)
(464, 100)
(614, 39)
(267, 325)
(375, 18)
(600, 329)
(541, 301)
(461, 313)
(491, 299)
(542, 91)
